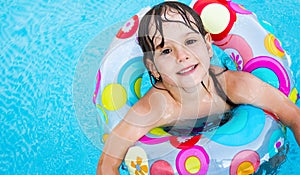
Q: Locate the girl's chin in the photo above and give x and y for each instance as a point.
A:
(183, 82)
(191, 89)
(191, 84)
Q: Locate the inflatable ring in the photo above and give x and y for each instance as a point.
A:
(241, 145)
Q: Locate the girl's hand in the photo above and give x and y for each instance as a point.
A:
(108, 165)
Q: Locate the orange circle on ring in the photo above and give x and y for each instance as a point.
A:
(245, 168)
(243, 161)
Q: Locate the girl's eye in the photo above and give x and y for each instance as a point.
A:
(190, 41)
(166, 51)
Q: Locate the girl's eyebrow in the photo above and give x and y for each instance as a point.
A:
(159, 38)
(157, 47)
(190, 33)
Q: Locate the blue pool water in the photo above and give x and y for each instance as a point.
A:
(47, 73)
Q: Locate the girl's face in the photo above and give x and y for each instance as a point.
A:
(184, 59)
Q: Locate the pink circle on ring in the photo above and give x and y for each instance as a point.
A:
(278, 45)
(161, 167)
(238, 43)
(275, 66)
(237, 8)
(196, 151)
(152, 141)
(98, 78)
(129, 28)
(244, 156)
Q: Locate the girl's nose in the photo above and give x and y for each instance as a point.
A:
(182, 54)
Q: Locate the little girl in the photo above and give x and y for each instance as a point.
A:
(177, 52)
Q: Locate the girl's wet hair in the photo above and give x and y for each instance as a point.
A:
(159, 14)
(156, 16)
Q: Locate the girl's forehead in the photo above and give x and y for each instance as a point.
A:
(173, 32)
(172, 15)
(172, 24)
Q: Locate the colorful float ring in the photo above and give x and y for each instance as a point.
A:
(241, 145)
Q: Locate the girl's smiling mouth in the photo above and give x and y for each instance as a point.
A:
(188, 70)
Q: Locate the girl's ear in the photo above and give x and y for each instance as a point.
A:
(152, 68)
(208, 41)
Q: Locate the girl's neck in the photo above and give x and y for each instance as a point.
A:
(186, 94)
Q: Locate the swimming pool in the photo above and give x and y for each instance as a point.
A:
(49, 57)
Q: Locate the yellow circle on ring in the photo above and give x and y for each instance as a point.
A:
(245, 168)
(104, 137)
(137, 87)
(192, 165)
(159, 132)
(114, 96)
(215, 18)
(271, 47)
(294, 95)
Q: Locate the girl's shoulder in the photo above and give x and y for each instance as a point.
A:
(237, 78)
(240, 86)
(157, 104)
(229, 75)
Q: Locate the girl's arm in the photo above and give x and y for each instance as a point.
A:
(245, 88)
(149, 112)
(116, 145)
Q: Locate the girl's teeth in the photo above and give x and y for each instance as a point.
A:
(184, 71)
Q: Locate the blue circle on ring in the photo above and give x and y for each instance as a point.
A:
(246, 125)
(132, 70)
(275, 66)
(267, 75)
